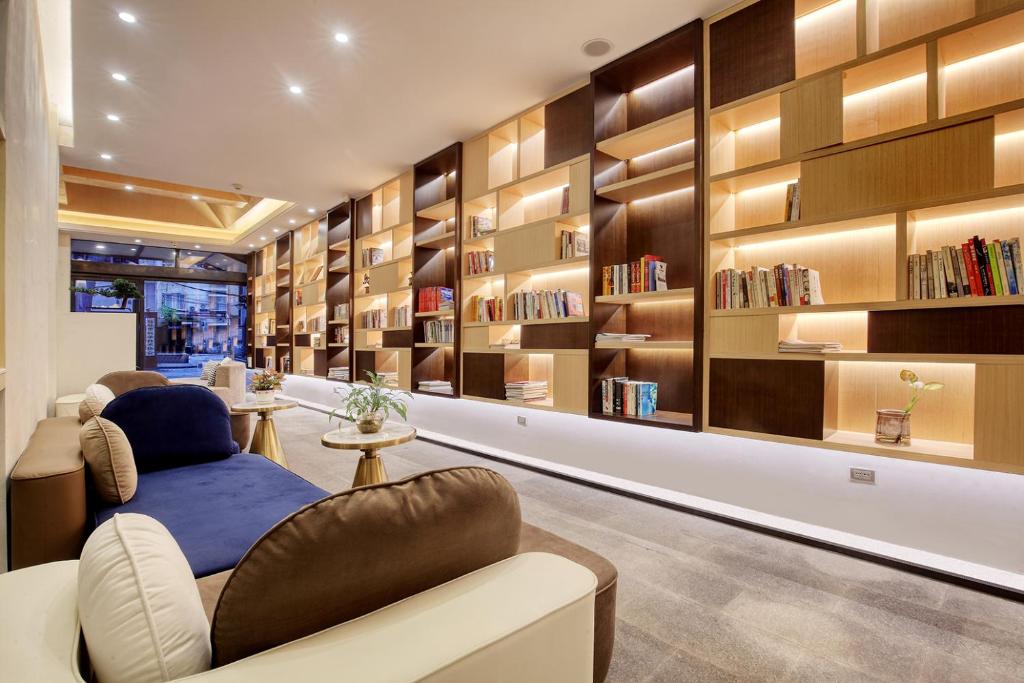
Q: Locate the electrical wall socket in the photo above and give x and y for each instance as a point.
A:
(862, 476)
(521, 420)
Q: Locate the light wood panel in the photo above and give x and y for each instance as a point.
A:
(849, 329)
(656, 135)
(812, 115)
(894, 21)
(825, 35)
(754, 334)
(745, 135)
(999, 429)
(569, 382)
(1009, 148)
(885, 95)
(983, 65)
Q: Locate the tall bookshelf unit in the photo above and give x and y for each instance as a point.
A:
(309, 299)
(264, 307)
(282, 259)
(648, 117)
(339, 288)
(514, 176)
(437, 199)
(384, 220)
(903, 122)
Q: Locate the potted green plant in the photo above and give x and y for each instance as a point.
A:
(119, 289)
(892, 426)
(264, 384)
(370, 405)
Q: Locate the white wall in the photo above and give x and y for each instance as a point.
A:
(109, 337)
(29, 238)
(964, 521)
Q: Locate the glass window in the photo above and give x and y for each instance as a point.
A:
(84, 302)
(113, 252)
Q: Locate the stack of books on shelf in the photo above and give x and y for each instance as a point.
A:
(341, 335)
(565, 199)
(574, 244)
(478, 262)
(439, 331)
(375, 318)
(480, 226)
(430, 299)
(781, 285)
(545, 303)
(400, 316)
(316, 341)
(623, 396)
(341, 312)
(265, 327)
(436, 386)
(526, 390)
(620, 337)
(800, 346)
(793, 201)
(390, 379)
(509, 340)
(339, 373)
(975, 268)
(372, 256)
(484, 309)
(649, 274)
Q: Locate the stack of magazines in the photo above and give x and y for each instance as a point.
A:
(436, 386)
(620, 337)
(798, 346)
(526, 391)
(340, 373)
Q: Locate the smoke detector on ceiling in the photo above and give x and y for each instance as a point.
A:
(597, 47)
(237, 186)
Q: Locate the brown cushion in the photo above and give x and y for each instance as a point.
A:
(534, 539)
(357, 551)
(121, 381)
(111, 463)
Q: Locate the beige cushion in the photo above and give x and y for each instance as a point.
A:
(111, 463)
(97, 396)
(138, 603)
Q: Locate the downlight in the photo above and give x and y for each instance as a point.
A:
(597, 47)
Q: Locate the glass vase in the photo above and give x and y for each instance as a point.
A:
(892, 427)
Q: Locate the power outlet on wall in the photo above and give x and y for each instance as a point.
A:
(521, 420)
(862, 476)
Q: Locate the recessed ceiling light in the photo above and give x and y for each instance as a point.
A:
(262, 237)
(133, 249)
(295, 90)
(311, 210)
(106, 157)
(129, 187)
(195, 197)
(252, 246)
(113, 117)
(101, 246)
(276, 230)
(341, 37)
(126, 17)
(138, 241)
(117, 76)
(196, 246)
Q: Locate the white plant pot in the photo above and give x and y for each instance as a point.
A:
(265, 397)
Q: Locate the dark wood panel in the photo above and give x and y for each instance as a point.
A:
(364, 216)
(396, 339)
(568, 127)
(752, 50)
(365, 360)
(555, 336)
(665, 321)
(666, 226)
(786, 398)
(988, 329)
(656, 161)
(674, 94)
(672, 370)
(609, 109)
(320, 362)
(483, 375)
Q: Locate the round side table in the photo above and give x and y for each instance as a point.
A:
(264, 437)
(370, 469)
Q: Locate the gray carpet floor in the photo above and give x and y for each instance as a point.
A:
(701, 600)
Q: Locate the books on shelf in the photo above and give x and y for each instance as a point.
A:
(621, 337)
(436, 386)
(341, 312)
(649, 274)
(800, 346)
(535, 390)
(478, 262)
(573, 244)
(375, 318)
(623, 396)
(509, 340)
(390, 379)
(484, 309)
(760, 287)
(480, 226)
(430, 299)
(400, 316)
(341, 335)
(565, 199)
(339, 373)
(545, 303)
(439, 331)
(975, 268)
(372, 256)
(793, 201)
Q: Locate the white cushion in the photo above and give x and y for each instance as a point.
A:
(97, 396)
(139, 605)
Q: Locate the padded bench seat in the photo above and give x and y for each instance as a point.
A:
(216, 510)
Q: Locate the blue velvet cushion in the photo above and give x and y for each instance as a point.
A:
(217, 510)
(173, 426)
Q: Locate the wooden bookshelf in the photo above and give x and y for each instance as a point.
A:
(281, 257)
(530, 178)
(437, 201)
(903, 123)
(264, 308)
(384, 219)
(309, 299)
(339, 286)
(647, 167)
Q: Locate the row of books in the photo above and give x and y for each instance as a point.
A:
(573, 244)
(265, 327)
(314, 324)
(436, 386)
(338, 373)
(341, 312)
(483, 309)
(372, 256)
(545, 303)
(975, 268)
(478, 262)
(760, 287)
(439, 331)
(623, 396)
(793, 201)
(435, 299)
(376, 318)
(480, 226)
(535, 390)
(341, 335)
(649, 274)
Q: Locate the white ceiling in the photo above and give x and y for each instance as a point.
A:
(207, 99)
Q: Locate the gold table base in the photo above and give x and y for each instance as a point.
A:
(370, 469)
(265, 440)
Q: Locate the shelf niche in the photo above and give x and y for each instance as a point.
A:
(339, 285)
